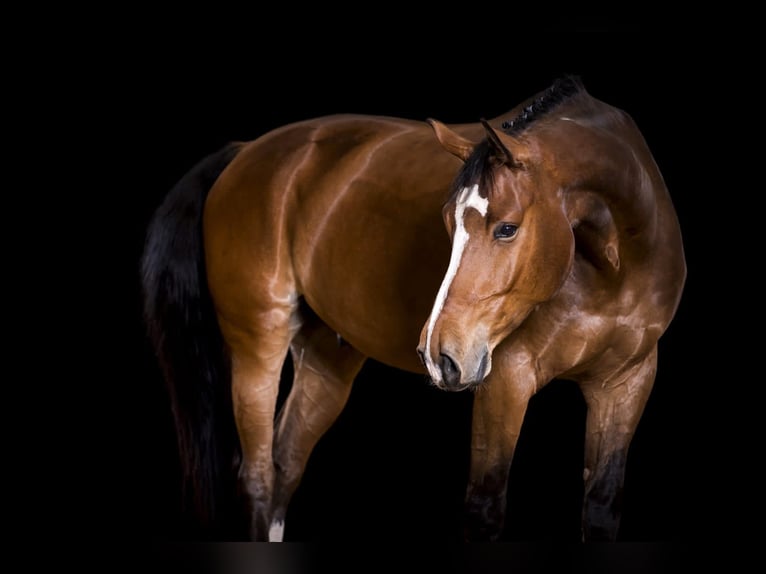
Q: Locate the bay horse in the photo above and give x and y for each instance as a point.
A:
(493, 256)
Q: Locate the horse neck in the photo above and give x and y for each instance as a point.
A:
(609, 158)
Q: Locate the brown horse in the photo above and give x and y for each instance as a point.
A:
(325, 239)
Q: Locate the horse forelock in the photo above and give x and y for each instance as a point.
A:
(479, 169)
(475, 170)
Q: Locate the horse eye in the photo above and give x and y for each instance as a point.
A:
(506, 230)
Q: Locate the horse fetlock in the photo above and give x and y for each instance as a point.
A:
(601, 516)
(260, 520)
(484, 517)
(600, 526)
(277, 530)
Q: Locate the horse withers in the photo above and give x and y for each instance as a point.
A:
(325, 240)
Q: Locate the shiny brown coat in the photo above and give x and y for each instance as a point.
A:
(332, 239)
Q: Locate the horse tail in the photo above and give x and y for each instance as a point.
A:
(182, 327)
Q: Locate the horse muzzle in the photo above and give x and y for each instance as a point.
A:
(452, 374)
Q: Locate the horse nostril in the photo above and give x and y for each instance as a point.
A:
(450, 370)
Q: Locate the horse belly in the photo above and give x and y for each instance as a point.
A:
(373, 280)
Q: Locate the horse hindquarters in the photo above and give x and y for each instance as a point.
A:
(251, 270)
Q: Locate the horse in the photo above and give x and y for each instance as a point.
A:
(492, 256)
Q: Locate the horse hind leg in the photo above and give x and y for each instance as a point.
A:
(258, 348)
(614, 411)
(324, 371)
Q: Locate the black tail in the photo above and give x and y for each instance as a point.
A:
(182, 327)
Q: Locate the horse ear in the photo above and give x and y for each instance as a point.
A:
(503, 149)
(450, 140)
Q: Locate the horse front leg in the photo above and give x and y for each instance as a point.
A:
(324, 371)
(614, 410)
(498, 413)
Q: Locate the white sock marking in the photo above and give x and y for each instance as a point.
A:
(468, 197)
(276, 531)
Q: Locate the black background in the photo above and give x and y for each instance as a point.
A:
(170, 90)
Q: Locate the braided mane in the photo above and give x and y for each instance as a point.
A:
(477, 168)
(561, 90)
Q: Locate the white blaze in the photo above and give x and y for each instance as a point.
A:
(468, 197)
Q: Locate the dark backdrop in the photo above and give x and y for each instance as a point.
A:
(393, 467)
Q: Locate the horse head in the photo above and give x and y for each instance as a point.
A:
(512, 249)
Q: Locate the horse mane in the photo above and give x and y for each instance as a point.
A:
(476, 168)
(562, 90)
